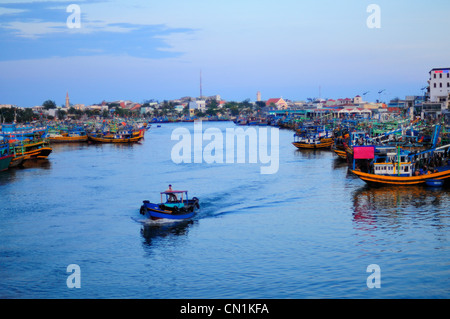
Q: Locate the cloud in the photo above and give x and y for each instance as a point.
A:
(35, 30)
(5, 11)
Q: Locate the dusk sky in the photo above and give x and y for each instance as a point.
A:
(139, 50)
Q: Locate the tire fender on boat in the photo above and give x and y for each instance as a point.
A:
(143, 210)
(196, 202)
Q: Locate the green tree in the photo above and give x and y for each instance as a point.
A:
(185, 110)
(234, 110)
(49, 104)
(105, 114)
(60, 114)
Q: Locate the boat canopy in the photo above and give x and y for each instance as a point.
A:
(364, 152)
(173, 192)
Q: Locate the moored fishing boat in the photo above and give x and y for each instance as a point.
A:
(313, 138)
(30, 149)
(401, 167)
(177, 206)
(72, 135)
(119, 137)
(313, 143)
(383, 180)
(27, 146)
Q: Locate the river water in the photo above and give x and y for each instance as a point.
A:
(308, 231)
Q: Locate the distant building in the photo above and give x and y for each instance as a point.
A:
(258, 96)
(439, 85)
(278, 102)
(346, 101)
(358, 100)
(135, 107)
(37, 109)
(80, 107)
(196, 105)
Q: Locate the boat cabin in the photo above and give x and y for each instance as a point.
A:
(174, 198)
(393, 164)
(386, 161)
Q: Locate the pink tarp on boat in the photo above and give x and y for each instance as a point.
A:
(363, 152)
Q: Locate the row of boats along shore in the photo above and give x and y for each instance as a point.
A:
(402, 152)
(20, 144)
(396, 152)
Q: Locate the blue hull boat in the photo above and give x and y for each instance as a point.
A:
(434, 182)
(174, 208)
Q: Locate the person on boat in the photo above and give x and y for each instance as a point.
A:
(172, 197)
(423, 171)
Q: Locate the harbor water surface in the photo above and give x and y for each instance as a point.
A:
(308, 231)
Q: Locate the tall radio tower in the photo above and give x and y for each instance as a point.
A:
(201, 94)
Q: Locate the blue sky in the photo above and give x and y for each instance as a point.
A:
(142, 50)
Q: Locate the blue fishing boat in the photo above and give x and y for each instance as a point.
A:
(175, 205)
(434, 182)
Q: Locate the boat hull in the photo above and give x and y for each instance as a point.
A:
(342, 154)
(5, 162)
(156, 211)
(18, 160)
(133, 139)
(43, 152)
(382, 180)
(158, 214)
(68, 139)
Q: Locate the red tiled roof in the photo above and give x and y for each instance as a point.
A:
(274, 101)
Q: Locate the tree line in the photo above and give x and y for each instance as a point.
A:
(166, 108)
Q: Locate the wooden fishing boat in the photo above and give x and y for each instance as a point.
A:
(120, 137)
(177, 206)
(313, 143)
(67, 138)
(380, 180)
(34, 149)
(313, 137)
(387, 168)
(72, 134)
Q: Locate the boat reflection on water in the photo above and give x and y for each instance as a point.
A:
(386, 207)
(156, 230)
(310, 153)
(37, 163)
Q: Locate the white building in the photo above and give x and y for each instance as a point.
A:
(439, 84)
(358, 100)
(200, 104)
